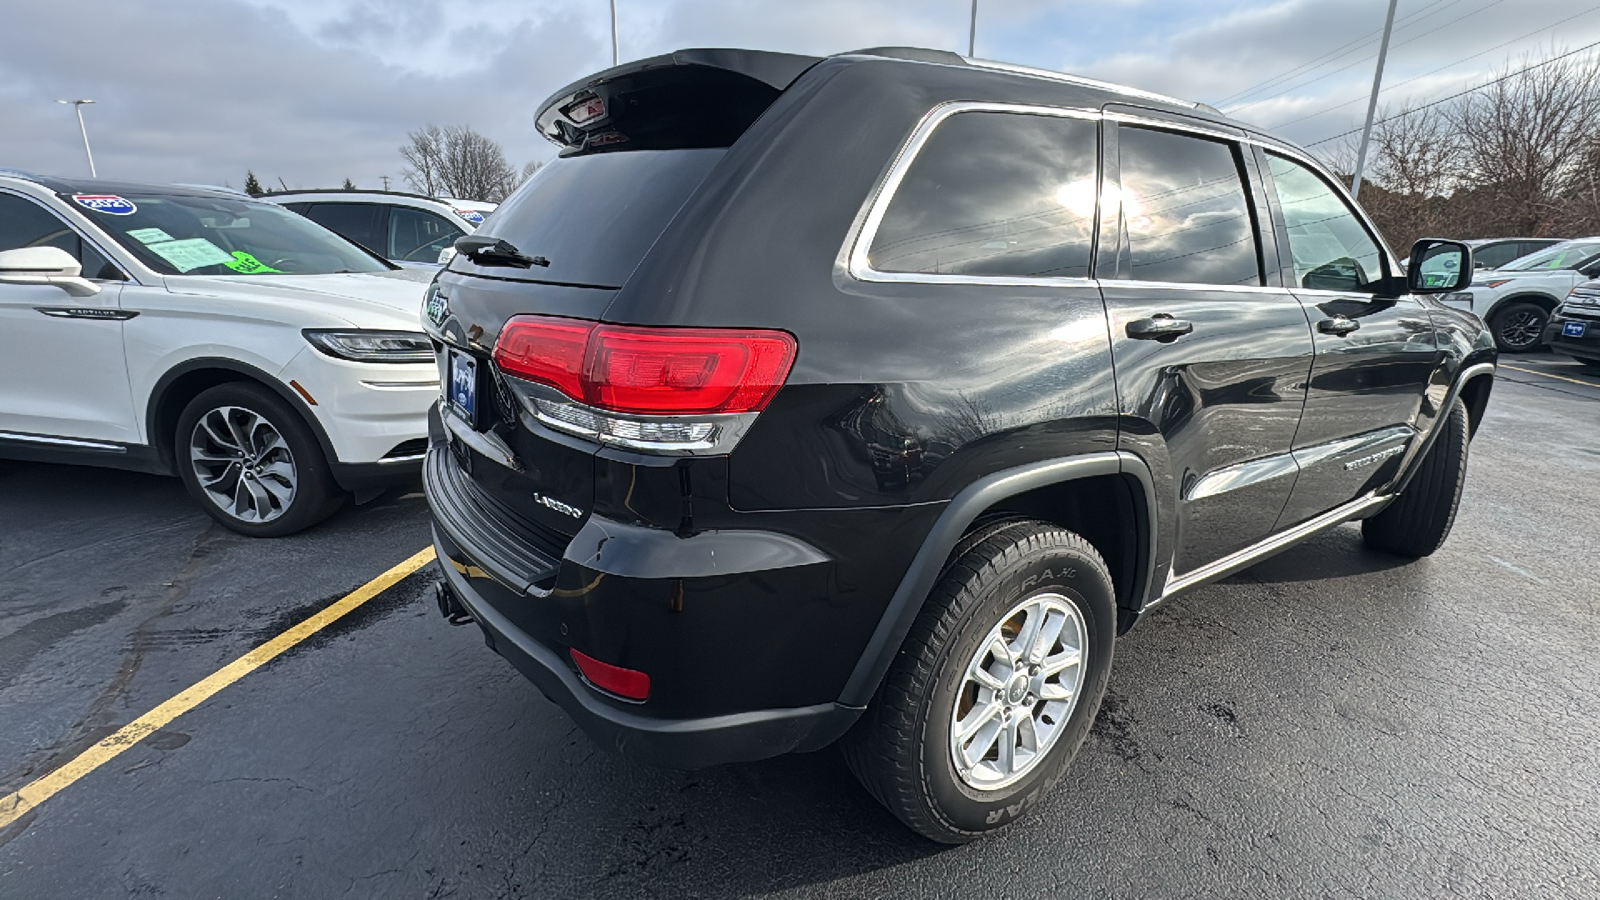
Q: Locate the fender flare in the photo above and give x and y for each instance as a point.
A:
(1421, 447)
(958, 516)
(163, 385)
(1526, 296)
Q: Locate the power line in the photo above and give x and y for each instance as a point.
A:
(1417, 109)
(1440, 69)
(1405, 21)
(1365, 58)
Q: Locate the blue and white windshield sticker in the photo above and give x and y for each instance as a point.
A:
(471, 215)
(110, 204)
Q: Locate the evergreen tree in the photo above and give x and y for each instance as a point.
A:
(349, 185)
(251, 185)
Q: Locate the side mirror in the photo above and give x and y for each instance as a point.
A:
(1439, 266)
(45, 265)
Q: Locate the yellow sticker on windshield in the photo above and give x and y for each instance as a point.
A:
(246, 264)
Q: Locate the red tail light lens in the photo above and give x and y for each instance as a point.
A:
(623, 682)
(661, 371)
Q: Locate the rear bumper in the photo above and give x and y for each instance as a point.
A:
(678, 743)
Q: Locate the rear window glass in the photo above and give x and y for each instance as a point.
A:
(594, 217)
(995, 195)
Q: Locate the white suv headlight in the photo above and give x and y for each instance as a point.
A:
(372, 346)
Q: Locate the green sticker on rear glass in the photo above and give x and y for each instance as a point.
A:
(246, 264)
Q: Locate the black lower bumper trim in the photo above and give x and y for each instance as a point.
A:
(669, 743)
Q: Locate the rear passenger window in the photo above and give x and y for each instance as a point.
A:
(356, 221)
(1184, 210)
(995, 195)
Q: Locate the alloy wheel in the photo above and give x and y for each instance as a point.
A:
(243, 464)
(1521, 329)
(1018, 692)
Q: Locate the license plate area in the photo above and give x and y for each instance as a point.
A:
(462, 393)
(1574, 329)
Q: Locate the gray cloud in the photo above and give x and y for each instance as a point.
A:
(313, 91)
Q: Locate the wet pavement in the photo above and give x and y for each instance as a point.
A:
(1331, 722)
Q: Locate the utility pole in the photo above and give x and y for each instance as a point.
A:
(1372, 104)
(972, 32)
(615, 56)
(385, 181)
(78, 105)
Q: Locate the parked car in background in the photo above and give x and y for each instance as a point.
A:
(772, 441)
(274, 366)
(1490, 253)
(409, 229)
(1518, 298)
(1574, 329)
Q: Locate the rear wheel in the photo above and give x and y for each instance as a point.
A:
(253, 463)
(1519, 327)
(995, 687)
(1417, 522)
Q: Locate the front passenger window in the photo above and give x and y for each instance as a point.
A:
(1332, 250)
(24, 223)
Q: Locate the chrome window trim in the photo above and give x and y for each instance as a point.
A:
(861, 269)
(878, 204)
(1194, 286)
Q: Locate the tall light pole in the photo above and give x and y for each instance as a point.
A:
(972, 32)
(1372, 104)
(78, 105)
(615, 56)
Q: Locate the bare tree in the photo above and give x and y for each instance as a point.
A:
(1416, 165)
(1524, 139)
(459, 162)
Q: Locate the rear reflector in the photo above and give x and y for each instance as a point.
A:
(655, 371)
(622, 682)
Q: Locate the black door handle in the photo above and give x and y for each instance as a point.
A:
(1159, 327)
(1338, 325)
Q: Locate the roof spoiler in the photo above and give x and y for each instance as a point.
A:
(689, 98)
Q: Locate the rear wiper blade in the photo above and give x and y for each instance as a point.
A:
(491, 251)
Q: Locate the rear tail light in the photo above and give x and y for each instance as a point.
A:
(629, 683)
(670, 390)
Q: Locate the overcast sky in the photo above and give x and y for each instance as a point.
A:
(313, 91)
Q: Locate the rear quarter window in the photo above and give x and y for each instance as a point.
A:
(995, 194)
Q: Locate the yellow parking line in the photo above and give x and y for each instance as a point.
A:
(1548, 375)
(14, 806)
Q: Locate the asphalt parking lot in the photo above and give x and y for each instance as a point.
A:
(1329, 723)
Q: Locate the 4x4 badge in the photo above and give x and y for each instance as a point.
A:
(437, 306)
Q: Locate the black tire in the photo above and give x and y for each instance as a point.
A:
(900, 750)
(1519, 327)
(313, 496)
(1417, 522)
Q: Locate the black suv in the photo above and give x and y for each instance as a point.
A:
(870, 397)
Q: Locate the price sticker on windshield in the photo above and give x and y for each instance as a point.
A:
(110, 204)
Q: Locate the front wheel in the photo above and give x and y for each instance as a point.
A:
(253, 463)
(1416, 523)
(995, 687)
(1519, 327)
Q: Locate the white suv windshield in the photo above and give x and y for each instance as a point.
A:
(177, 234)
(1561, 256)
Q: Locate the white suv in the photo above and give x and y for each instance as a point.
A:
(273, 365)
(408, 229)
(1518, 298)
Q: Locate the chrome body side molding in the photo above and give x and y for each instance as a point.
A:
(1278, 542)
